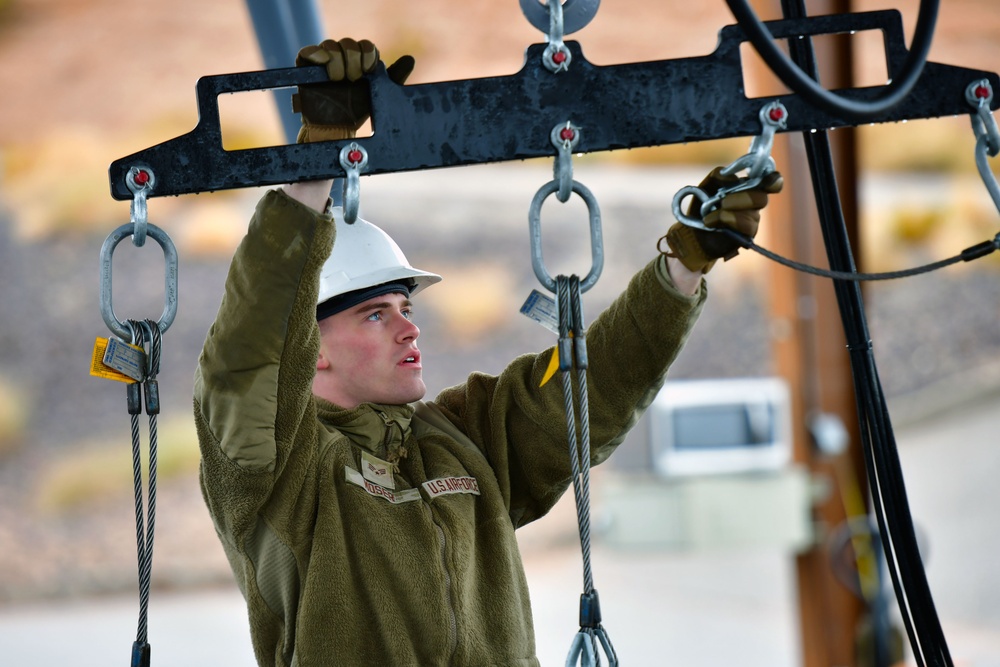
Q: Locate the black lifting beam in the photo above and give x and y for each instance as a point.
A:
(505, 118)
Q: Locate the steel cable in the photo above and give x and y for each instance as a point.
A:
(147, 334)
(967, 255)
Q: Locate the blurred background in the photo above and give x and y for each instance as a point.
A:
(87, 83)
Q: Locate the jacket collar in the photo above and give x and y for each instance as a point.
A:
(381, 429)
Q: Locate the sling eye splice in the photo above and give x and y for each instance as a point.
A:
(584, 648)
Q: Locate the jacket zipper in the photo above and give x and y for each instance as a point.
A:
(452, 618)
(389, 423)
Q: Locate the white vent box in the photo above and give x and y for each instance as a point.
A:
(708, 427)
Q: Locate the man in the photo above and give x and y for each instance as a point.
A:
(365, 527)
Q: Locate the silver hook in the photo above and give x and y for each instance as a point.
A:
(596, 241)
(353, 158)
(118, 327)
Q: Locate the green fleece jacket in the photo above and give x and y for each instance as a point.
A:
(384, 535)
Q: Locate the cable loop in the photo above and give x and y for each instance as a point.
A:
(583, 650)
(757, 162)
(979, 94)
(118, 327)
(140, 181)
(353, 158)
(596, 240)
(564, 137)
(152, 336)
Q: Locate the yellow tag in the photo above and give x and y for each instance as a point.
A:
(553, 364)
(97, 367)
(553, 367)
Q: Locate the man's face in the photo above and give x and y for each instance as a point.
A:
(368, 353)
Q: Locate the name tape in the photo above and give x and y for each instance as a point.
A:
(447, 485)
(394, 497)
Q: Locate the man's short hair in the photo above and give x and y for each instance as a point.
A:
(342, 302)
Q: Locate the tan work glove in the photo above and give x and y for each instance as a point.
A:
(697, 249)
(336, 110)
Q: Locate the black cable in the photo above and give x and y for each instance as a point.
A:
(888, 492)
(796, 78)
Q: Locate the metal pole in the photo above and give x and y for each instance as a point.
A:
(810, 352)
(282, 28)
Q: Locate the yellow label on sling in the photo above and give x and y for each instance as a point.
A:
(97, 367)
(553, 367)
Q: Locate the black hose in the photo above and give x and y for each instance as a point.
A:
(885, 475)
(802, 84)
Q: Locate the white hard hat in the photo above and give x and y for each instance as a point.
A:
(364, 258)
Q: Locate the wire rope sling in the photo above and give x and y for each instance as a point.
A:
(132, 356)
(570, 354)
(565, 316)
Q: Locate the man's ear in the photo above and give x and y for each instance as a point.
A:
(322, 363)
